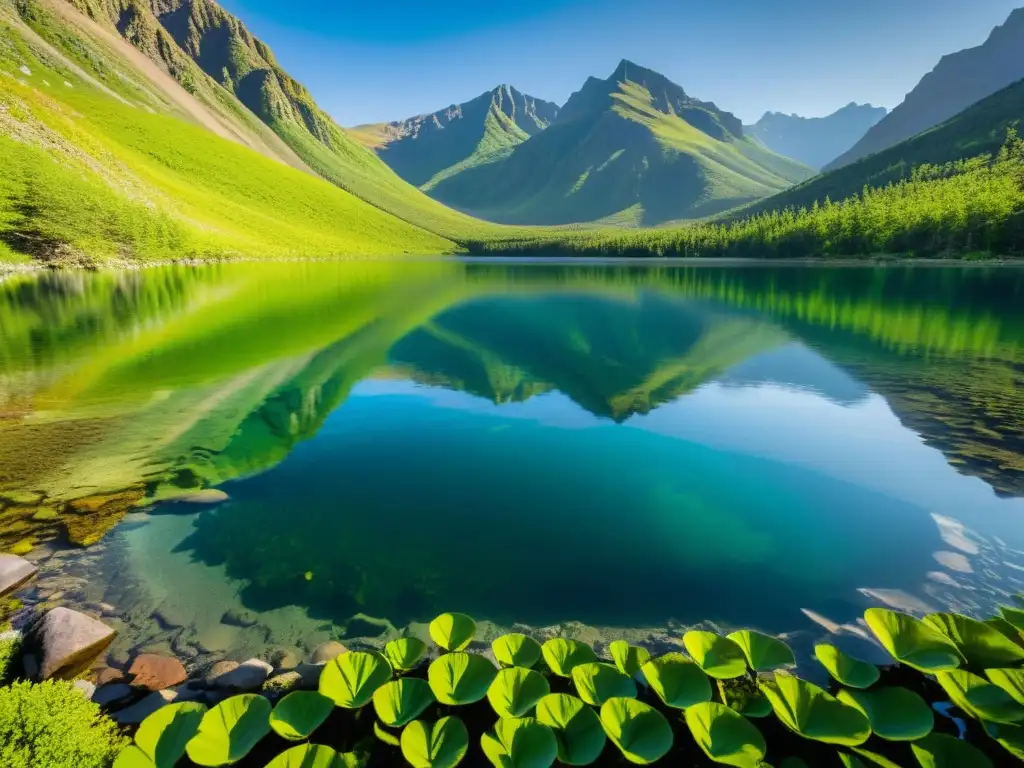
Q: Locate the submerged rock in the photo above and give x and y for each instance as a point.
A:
(327, 652)
(286, 682)
(67, 641)
(217, 669)
(238, 618)
(155, 672)
(112, 694)
(247, 676)
(14, 571)
(205, 496)
(143, 708)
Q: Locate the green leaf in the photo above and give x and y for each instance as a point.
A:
(561, 655)
(453, 631)
(230, 730)
(314, 756)
(718, 656)
(460, 678)
(516, 650)
(401, 701)
(895, 714)
(940, 750)
(133, 757)
(596, 683)
(577, 728)
(1014, 616)
(516, 690)
(1006, 628)
(641, 732)
(847, 670)
(520, 743)
(628, 658)
(350, 679)
(913, 642)
(726, 736)
(384, 735)
(299, 714)
(441, 745)
(807, 710)
(763, 652)
(982, 645)
(405, 653)
(749, 703)
(677, 680)
(1009, 737)
(874, 759)
(1010, 680)
(979, 698)
(163, 735)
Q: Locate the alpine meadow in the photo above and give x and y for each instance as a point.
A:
(525, 385)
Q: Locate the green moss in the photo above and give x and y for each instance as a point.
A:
(53, 725)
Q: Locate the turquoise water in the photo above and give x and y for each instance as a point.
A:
(615, 445)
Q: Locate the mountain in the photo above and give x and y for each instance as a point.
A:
(980, 129)
(214, 57)
(958, 81)
(632, 149)
(815, 141)
(427, 148)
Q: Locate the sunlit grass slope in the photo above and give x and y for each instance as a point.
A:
(88, 175)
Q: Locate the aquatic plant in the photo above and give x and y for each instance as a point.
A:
(351, 679)
(561, 655)
(628, 658)
(439, 745)
(460, 678)
(402, 701)
(516, 690)
(845, 669)
(230, 730)
(405, 653)
(725, 735)
(452, 631)
(596, 683)
(641, 732)
(577, 728)
(516, 650)
(162, 737)
(520, 743)
(300, 713)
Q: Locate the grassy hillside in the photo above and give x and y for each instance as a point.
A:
(815, 141)
(428, 148)
(632, 149)
(958, 81)
(89, 174)
(211, 53)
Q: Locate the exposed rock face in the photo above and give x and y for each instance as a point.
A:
(156, 672)
(815, 141)
(67, 641)
(14, 571)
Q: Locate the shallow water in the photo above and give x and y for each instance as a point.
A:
(623, 446)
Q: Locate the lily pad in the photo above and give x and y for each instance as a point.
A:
(516, 650)
(846, 669)
(520, 743)
(460, 678)
(405, 653)
(516, 690)
(314, 756)
(384, 735)
(677, 680)
(912, 642)
(814, 714)
(561, 655)
(873, 758)
(763, 652)
(641, 732)
(163, 735)
(577, 728)
(940, 750)
(979, 698)
(749, 703)
(726, 736)
(628, 658)
(401, 701)
(895, 714)
(439, 745)
(718, 656)
(1014, 616)
(1009, 737)
(351, 679)
(982, 645)
(597, 682)
(452, 631)
(300, 713)
(230, 730)
(1010, 680)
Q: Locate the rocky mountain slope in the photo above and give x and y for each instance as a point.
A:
(815, 141)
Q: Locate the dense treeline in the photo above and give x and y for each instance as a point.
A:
(967, 208)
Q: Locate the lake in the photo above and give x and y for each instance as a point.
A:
(594, 449)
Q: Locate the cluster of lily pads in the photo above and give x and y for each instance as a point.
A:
(558, 702)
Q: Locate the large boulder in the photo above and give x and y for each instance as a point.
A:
(66, 642)
(14, 571)
(155, 672)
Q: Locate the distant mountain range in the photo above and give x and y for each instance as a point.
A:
(634, 148)
(815, 141)
(958, 81)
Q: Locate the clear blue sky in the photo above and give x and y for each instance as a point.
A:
(377, 61)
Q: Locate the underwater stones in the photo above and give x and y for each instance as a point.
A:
(310, 674)
(247, 676)
(92, 516)
(205, 496)
(168, 617)
(327, 651)
(217, 638)
(67, 641)
(21, 498)
(238, 618)
(144, 707)
(14, 571)
(109, 675)
(112, 694)
(155, 672)
(286, 682)
(283, 658)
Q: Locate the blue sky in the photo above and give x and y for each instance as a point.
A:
(371, 62)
